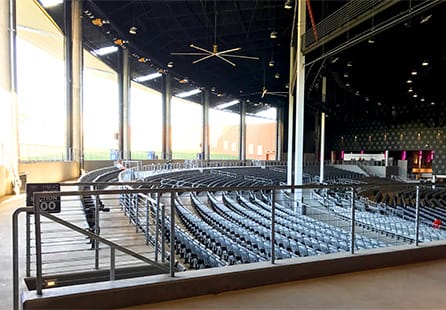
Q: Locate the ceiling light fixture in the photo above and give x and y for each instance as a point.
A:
(410, 90)
(415, 95)
(170, 64)
(105, 50)
(277, 75)
(273, 35)
(143, 59)
(148, 77)
(184, 80)
(349, 64)
(414, 72)
(189, 93)
(409, 81)
(288, 5)
(227, 104)
(133, 30)
(422, 99)
(50, 3)
(432, 103)
(425, 63)
(371, 40)
(271, 63)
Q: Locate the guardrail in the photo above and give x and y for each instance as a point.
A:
(302, 220)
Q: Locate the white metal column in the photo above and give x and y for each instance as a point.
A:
(300, 96)
(322, 147)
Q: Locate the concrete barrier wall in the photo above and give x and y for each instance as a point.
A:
(50, 171)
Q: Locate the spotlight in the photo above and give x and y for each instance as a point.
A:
(349, 64)
(371, 40)
(414, 72)
(425, 63)
(133, 30)
(273, 35)
(170, 64)
(277, 75)
(288, 4)
(271, 63)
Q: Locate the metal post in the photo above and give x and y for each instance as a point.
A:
(136, 199)
(172, 234)
(352, 245)
(163, 234)
(157, 226)
(147, 221)
(417, 216)
(28, 244)
(112, 263)
(273, 226)
(37, 238)
(96, 231)
(15, 256)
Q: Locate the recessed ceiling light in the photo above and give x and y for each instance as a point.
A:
(347, 84)
(425, 63)
(273, 35)
(357, 93)
(422, 99)
(415, 95)
(349, 64)
(271, 63)
(371, 40)
(288, 4)
(170, 64)
(379, 103)
(409, 81)
(277, 75)
(346, 75)
(410, 90)
(414, 72)
(432, 103)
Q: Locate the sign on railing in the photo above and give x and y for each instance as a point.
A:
(49, 204)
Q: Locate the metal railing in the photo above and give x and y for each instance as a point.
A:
(282, 221)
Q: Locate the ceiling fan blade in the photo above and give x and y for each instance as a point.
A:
(241, 56)
(189, 54)
(222, 58)
(203, 58)
(229, 51)
(201, 49)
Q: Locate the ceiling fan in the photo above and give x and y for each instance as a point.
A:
(214, 53)
(265, 91)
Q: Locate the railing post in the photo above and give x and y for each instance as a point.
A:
(273, 227)
(28, 244)
(417, 215)
(157, 225)
(163, 234)
(172, 234)
(352, 244)
(112, 263)
(136, 199)
(147, 220)
(37, 231)
(96, 230)
(15, 256)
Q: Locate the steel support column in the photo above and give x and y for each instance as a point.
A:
(167, 124)
(124, 93)
(242, 148)
(205, 148)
